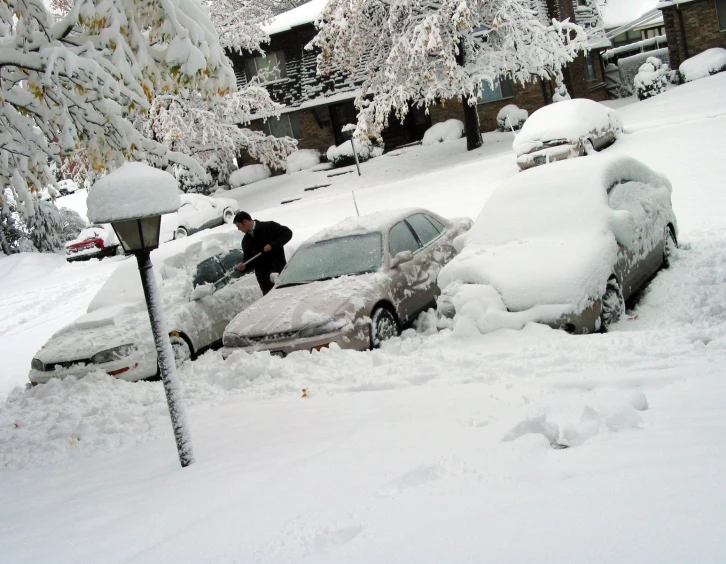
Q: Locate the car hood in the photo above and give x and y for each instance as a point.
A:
(293, 308)
(100, 330)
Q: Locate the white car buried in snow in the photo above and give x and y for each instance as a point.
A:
(197, 212)
(115, 334)
(567, 129)
(564, 245)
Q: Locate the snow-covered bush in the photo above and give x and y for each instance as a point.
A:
(342, 155)
(45, 227)
(249, 174)
(629, 67)
(511, 117)
(73, 224)
(652, 78)
(302, 159)
(445, 131)
(711, 61)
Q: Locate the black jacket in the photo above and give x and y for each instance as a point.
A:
(266, 233)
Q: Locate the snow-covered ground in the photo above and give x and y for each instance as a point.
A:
(437, 447)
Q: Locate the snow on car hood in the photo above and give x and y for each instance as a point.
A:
(548, 235)
(570, 120)
(294, 307)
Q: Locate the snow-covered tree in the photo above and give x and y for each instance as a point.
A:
(211, 130)
(73, 83)
(423, 51)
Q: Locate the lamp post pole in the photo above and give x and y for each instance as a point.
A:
(167, 364)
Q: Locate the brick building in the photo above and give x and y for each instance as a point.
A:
(692, 26)
(318, 107)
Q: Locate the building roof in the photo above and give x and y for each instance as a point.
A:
(305, 14)
(617, 13)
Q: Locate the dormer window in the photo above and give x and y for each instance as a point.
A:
(269, 68)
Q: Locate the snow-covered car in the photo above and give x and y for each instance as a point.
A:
(564, 246)
(115, 336)
(567, 129)
(67, 186)
(96, 241)
(197, 212)
(353, 284)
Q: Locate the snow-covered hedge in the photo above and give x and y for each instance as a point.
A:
(302, 160)
(249, 174)
(652, 78)
(711, 61)
(629, 67)
(342, 155)
(511, 117)
(445, 131)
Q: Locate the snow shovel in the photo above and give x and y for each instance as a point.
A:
(209, 289)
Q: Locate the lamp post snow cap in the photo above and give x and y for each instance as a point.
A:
(134, 190)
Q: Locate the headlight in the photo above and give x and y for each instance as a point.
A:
(116, 353)
(38, 365)
(328, 326)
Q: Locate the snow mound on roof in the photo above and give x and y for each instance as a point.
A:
(711, 61)
(133, 190)
(572, 120)
(448, 130)
(548, 237)
(249, 174)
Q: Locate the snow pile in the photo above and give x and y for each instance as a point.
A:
(248, 175)
(302, 159)
(561, 94)
(448, 130)
(133, 190)
(511, 117)
(557, 258)
(570, 120)
(652, 78)
(342, 155)
(711, 61)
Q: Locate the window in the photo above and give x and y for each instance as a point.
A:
(424, 229)
(401, 239)
(590, 73)
(721, 10)
(268, 68)
(287, 126)
(502, 88)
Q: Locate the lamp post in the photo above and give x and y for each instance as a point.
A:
(133, 198)
(350, 128)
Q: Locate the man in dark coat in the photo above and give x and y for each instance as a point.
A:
(268, 238)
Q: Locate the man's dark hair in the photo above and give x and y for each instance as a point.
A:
(241, 216)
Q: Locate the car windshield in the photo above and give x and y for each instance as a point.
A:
(331, 258)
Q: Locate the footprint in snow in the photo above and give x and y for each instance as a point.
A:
(418, 477)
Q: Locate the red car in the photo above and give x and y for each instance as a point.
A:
(96, 241)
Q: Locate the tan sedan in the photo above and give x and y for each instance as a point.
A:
(354, 284)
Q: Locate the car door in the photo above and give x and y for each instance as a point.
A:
(436, 250)
(401, 238)
(209, 215)
(639, 256)
(187, 215)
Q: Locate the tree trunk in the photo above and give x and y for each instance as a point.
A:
(472, 127)
(471, 115)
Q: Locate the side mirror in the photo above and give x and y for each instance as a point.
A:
(400, 258)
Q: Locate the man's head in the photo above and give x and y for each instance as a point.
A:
(244, 222)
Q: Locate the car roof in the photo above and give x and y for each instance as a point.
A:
(369, 223)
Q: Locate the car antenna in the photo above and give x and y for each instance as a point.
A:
(355, 203)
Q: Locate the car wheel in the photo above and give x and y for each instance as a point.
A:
(669, 246)
(589, 147)
(228, 215)
(182, 350)
(613, 305)
(180, 233)
(383, 326)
